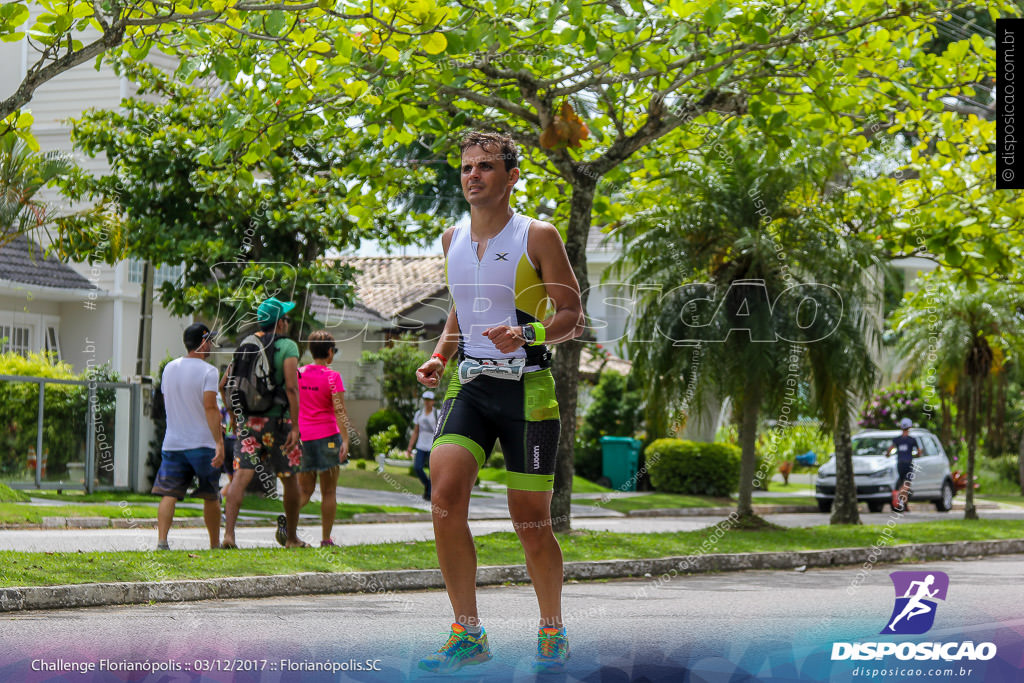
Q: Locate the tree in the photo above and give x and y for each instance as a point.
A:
(847, 337)
(244, 228)
(399, 362)
(960, 335)
(618, 93)
(718, 281)
(23, 175)
(64, 35)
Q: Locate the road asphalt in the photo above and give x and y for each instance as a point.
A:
(771, 626)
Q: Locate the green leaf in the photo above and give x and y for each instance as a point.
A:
(225, 68)
(714, 14)
(275, 22)
(398, 117)
(279, 64)
(435, 43)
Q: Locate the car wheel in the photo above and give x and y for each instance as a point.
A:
(945, 501)
(824, 505)
(876, 505)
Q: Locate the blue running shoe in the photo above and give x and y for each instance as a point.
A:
(460, 650)
(552, 651)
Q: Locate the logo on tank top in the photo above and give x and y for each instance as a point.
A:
(503, 256)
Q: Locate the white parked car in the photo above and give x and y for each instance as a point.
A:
(874, 472)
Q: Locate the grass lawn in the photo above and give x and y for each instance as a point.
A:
(1006, 498)
(250, 504)
(28, 569)
(9, 495)
(19, 513)
(671, 500)
(579, 484)
(398, 479)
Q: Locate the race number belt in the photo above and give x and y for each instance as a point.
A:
(503, 368)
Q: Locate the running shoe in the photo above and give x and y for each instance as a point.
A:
(552, 651)
(460, 650)
(329, 543)
(282, 530)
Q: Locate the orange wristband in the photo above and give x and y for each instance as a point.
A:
(442, 358)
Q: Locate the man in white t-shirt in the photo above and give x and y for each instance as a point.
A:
(194, 442)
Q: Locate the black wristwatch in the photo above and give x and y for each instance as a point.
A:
(530, 335)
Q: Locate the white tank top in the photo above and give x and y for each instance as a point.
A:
(501, 288)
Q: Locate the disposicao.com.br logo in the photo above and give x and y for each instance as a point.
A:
(913, 613)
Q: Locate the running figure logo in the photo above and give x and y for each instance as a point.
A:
(916, 592)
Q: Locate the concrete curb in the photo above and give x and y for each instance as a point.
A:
(310, 583)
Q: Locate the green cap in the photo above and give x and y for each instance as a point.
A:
(272, 310)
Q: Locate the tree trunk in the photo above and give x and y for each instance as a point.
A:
(1020, 462)
(844, 507)
(142, 360)
(749, 410)
(566, 365)
(971, 421)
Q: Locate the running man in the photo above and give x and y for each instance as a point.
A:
(513, 292)
(914, 606)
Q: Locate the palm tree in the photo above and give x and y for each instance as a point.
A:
(842, 364)
(725, 244)
(23, 174)
(953, 330)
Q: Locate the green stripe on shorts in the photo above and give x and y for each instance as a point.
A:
(530, 482)
(464, 441)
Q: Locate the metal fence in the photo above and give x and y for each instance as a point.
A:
(86, 433)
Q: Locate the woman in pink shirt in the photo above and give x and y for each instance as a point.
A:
(323, 428)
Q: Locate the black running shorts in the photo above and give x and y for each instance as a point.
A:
(522, 414)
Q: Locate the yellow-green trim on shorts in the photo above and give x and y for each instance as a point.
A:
(530, 482)
(459, 440)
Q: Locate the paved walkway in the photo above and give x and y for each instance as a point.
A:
(71, 540)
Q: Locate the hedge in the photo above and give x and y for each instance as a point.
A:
(693, 468)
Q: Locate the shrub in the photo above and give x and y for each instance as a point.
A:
(688, 467)
(616, 410)
(381, 442)
(64, 409)
(894, 402)
(399, 363)
(497, 461)
(360, 464)
(1004, 467)
(380, 421)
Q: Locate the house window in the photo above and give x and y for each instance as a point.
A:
(15, 338)
(165, 273)
(52, 342)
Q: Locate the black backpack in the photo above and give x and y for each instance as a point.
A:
(250, 387)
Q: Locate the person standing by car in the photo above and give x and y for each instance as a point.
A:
(425, 424)
(323, 427)
(905, 446)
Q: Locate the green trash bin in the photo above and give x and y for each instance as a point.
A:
(620, 460)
